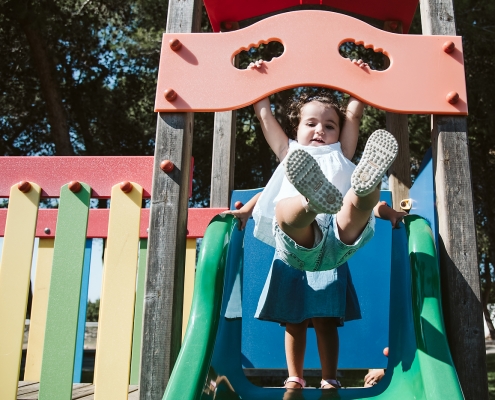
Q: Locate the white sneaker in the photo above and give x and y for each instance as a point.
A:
(379, 153)
(305, 174)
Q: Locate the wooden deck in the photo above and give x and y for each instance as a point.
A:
(80, 391)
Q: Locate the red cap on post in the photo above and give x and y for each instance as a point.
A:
(74, 186)
(24, 186)
(448, 46)
(167, 166)
(452, 97)
(126, 186)
(170, 94)
(175, 44)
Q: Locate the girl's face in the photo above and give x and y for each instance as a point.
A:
(319, 125)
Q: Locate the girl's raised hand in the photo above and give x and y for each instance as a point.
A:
(255, 65)
(360, 63)
(241, 216)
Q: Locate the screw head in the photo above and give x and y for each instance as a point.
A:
(167, 166)
(24, 186)
(170, 94)
(448, 46)
(452, 97)
(238, 205)
(126, 186)
(74, 186)
(175, 44)
(47, 231)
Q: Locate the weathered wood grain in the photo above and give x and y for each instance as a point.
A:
(457, 234)
(223, 159)
(162, 326)
(400, 172)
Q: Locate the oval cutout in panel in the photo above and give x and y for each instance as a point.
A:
(375, 59)
(265, 51)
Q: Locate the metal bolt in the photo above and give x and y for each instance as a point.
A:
(47, 231)
(24, 186)
(74, 186)
(126, 186)
(452, 97)
(170, 94)
(167, 166)
(448, 46)
(175, 44)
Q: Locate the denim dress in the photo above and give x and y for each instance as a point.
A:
(291, 295)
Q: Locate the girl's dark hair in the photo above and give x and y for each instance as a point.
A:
(296, 103)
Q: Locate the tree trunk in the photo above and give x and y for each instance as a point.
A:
(42, 61)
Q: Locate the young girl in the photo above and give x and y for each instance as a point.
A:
(314, 230)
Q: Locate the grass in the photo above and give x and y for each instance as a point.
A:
(490, 367)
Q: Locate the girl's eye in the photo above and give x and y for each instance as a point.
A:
(330, 127)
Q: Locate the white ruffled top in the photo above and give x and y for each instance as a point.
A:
(332, 162)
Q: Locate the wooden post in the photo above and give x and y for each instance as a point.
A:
(457, 236)
(162, 325)
(222, 169)
(399, 180)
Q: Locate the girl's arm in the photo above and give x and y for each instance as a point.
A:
(245, 211)
(273, 132)
(384, 211)
(349, 134)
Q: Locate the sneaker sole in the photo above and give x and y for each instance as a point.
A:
(379, 154)
(305, 174)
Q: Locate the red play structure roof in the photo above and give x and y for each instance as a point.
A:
(237, 10)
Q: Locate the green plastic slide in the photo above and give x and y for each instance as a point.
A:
(419, 364)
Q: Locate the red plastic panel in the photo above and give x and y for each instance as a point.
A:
(198, 220)
(51, 173)
(419, 80)
(237, 10)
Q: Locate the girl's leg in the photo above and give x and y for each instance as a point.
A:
(295, 220)
(328, 346)
(296, 214)
(354, 214)
(379, 154)
(295, 347)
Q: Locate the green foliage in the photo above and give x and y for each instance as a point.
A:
(93, 311)
(104, 57)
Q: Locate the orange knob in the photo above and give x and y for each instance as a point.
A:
(74, 186)
(126, 186)
(24, 186)
(385, 351)
(452, 97)
(448, 46)
(238, 205)
(167, 166)
(175, 44)
(170, 95)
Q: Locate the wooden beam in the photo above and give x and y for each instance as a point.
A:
(399, 180)
(457, 235)
(223, 159)
(162, 326)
